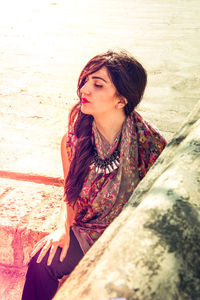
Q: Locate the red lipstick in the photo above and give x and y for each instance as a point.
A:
(84, 100)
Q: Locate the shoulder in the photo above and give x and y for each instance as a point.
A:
(150, 143)
(147, 131)
(64, 140)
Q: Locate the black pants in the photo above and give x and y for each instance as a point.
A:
(42, 280)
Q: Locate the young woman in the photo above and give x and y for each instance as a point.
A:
(107, 151)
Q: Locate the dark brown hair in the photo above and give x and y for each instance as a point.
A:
(129, 78)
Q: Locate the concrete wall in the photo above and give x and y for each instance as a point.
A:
(152, 250)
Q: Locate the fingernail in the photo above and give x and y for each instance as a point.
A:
(48, 263)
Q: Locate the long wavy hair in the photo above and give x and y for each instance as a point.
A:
(129, 78)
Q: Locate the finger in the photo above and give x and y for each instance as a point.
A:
(52, 253)
(40, 241)
(44, 251)
(64, 250)
(37, 247)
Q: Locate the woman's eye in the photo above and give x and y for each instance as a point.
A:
(98, 85)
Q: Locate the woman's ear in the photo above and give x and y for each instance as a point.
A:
(122, 101)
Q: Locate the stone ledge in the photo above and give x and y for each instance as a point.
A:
(11, 283)
(47, 180)
(28, 212)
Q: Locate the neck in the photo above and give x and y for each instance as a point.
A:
(109, 126)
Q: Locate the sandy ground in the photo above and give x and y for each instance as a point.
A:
(44, 45)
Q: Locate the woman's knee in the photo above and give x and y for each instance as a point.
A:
(43, 268)
(33, 265)
(40, 267)
(40, 280)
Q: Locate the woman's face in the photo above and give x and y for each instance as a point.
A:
(98, 94)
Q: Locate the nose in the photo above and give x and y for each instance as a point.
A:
(85, 89)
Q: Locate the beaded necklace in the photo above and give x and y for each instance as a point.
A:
(108, 164)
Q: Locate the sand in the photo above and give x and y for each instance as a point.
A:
(45, 44)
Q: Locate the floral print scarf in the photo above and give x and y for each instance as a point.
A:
(104, 195)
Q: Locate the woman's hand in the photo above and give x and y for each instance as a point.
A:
(58, 238)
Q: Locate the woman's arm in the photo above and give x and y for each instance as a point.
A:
(60, 237)
(64, 156)
(70, 212)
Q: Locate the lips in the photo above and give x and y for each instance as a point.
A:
(84, 100)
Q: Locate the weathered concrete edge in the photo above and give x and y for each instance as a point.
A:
(29, 211)
(19, 242)
(167, 155)
(32, 178)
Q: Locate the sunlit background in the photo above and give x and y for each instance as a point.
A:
(44, 45)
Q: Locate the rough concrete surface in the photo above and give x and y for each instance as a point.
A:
(44, 45)
(11, 283)
(152, 249)
(28, 211)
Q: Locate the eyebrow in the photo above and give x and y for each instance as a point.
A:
(97, 77)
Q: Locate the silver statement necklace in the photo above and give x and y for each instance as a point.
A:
(108, 164)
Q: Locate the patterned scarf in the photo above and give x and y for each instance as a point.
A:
(104, 195)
